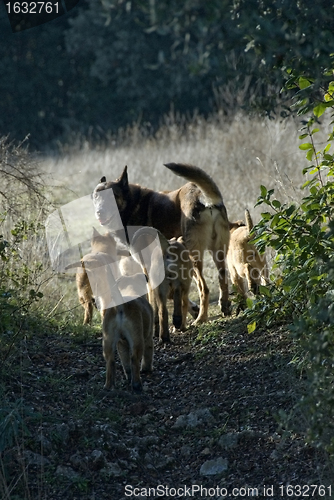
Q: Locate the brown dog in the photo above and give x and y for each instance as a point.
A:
(178, 272)
(129, 327)
(195, 211)
(100, 244)
(247, 267)
(104, 248)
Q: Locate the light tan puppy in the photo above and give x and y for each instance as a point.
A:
(101, 245)
(129, 328)
(126, 326)
(247, 267)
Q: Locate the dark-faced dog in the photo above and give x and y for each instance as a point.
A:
(178, 272)
(195, 211)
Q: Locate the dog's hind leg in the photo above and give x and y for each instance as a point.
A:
(185, 303)
(85, 296)
(224, 303)
(147, 361)
(218, 248)
(88, 307)
(161, 298)
(237, 280)
(177, 312)
(193, 308)
(109, 356)
(137, 352)
(203, 291)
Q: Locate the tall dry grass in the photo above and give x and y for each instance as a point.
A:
(240, 154)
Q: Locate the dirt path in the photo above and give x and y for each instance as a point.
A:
(207, 419)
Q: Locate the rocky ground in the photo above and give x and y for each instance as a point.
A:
(207, 423)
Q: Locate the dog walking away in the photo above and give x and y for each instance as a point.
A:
(178, 272)
(129, 328)
(247, 267)
(126, 326)
(195, 211)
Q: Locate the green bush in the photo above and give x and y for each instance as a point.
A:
(19, 288)
(302, 289)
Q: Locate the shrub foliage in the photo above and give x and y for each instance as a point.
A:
(301, 293)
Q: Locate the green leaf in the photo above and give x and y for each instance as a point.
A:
(264, 290)
(290, 210)
(266, 215)
(263, 191)
(320, 109)
(275, 221)
(303, 82)
(251, 327)
(249, 303)
(305, 146)
(310, 154)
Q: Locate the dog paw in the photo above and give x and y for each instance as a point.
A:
(145, 369)
(165, 340)
(200, 320)
(137, 387)
(225, 307)
(177, 321)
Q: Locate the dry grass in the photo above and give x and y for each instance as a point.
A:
(240, 155)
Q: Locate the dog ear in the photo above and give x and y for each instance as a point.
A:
(95, 235)
(103, 179)
(123, 180)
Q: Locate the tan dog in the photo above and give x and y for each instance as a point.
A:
(178, 271)
(195, 211)
(129, 327)
(247, 267)
(126, 326)
(103, 246)
(100, 244)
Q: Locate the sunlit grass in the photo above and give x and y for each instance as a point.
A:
(240, 154)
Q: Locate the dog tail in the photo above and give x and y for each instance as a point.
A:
(249, 221)
(75, 265)
(120, 313)
(196, 175)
